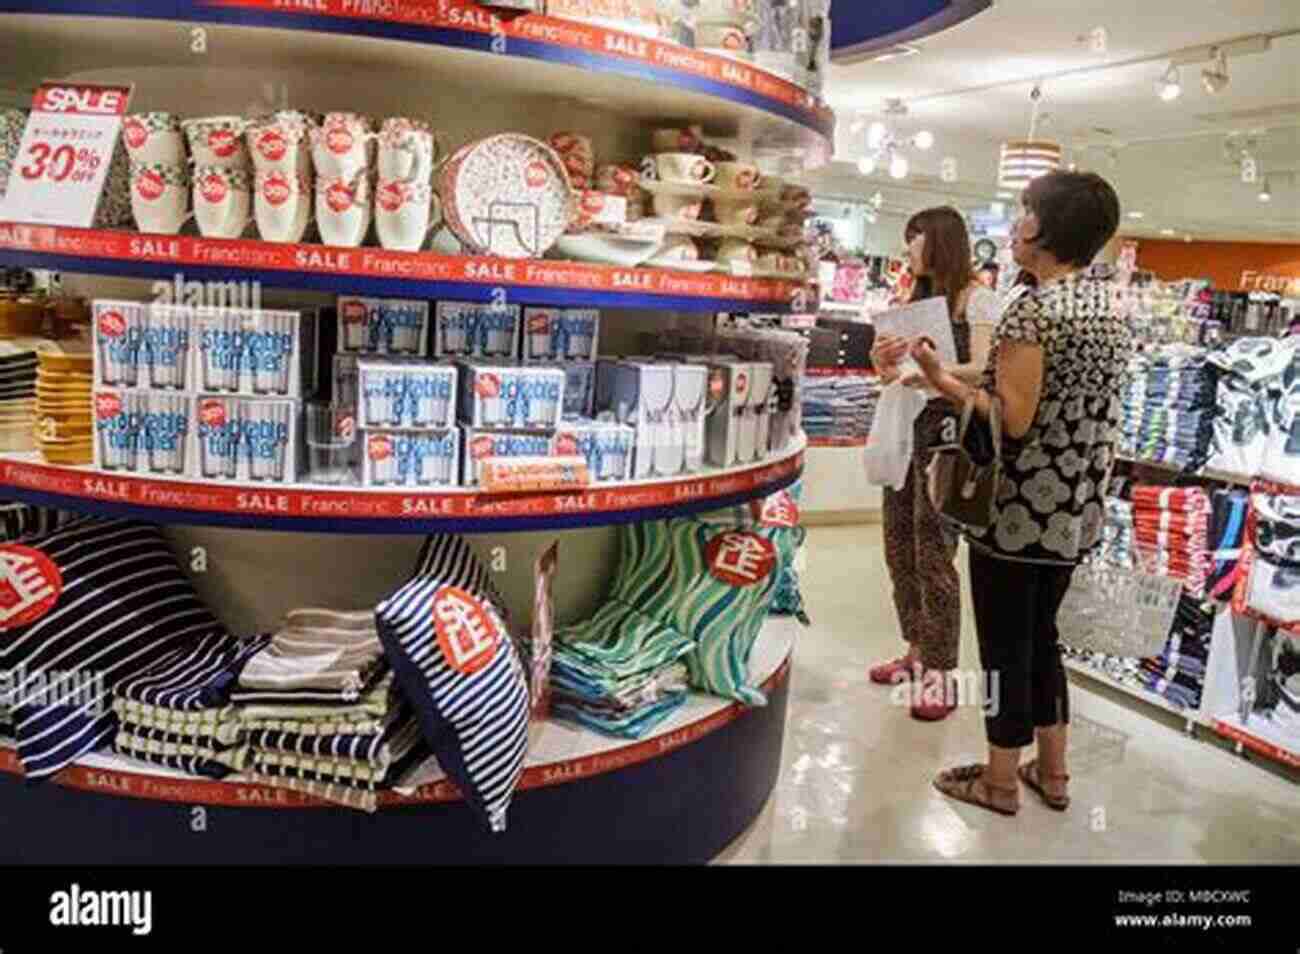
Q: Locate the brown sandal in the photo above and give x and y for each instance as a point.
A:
(1033, 778)
(963, 784)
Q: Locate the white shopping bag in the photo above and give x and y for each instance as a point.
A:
(889, 446)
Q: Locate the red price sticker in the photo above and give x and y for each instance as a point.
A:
(65, 152)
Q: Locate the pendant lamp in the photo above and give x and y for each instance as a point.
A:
(1024, 160)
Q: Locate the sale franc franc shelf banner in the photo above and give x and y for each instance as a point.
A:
(395, 509)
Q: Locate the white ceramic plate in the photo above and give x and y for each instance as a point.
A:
(605, 249)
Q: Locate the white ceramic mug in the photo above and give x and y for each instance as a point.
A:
(729, 212)
(737, 250)
(342, 145)
(217, 141)
(223, 200)
(408, 150)
(684, 167)
(160, 196)
(405, 213)
(738, 176)
(682, 207)
(675, 140)
(343, 209)
(679, 248)
(279, 145)
(154, 138)
(282, 204)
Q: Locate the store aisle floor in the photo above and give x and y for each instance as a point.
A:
(856, 769)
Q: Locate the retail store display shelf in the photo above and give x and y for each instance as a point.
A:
(821, 442)
(1193, 717)
(375, 511)
(560, 753)
(1222, 476)
(455, 36)
(380, 272)
(1260, 738)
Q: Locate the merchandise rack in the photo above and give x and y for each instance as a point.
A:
(1191, 718)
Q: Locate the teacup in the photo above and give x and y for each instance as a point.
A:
(738, 176)
(731, 212)
(722, 36)
(778, 262)
(684, 167)
(579, 158)
(676, 140)
(279, 145)
(733, 251)
(217, 141)
(154, 138)
(682, 207)
(624, 180)
(405, 213)
(282, 205)
(160, 196)
(408, 150)
(679, 248)
(343, 209)
(341, 145)
(223, 199)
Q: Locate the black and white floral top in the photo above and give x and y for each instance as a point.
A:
(1051, 507)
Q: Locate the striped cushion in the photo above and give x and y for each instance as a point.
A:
(713, 584)
(446, 638)
(194, 677)
(117, 605)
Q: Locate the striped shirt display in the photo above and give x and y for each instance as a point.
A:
(90, 605)
(446, 637)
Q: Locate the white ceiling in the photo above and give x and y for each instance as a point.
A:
(970, 86)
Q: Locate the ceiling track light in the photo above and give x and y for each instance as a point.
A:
(1170, 86)
(1266, 192)
(1215, 76)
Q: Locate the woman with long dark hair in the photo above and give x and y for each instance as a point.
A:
(919, 549)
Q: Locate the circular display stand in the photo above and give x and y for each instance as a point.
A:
(677, 797)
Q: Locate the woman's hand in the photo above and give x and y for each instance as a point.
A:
(887, 352)
(926, 357)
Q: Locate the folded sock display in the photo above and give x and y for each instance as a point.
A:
(1171, 533)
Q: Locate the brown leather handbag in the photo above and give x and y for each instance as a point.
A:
(962, 488)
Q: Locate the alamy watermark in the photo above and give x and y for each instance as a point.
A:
(192, 294)
(962, 688)
(74, 688)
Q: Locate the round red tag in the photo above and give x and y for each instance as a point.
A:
(339, 198)
(276, 189)
(740, 558)
(566, 445)
(272, 145)
(30, 585)
(487, 386)
(467, 632)
(379, 447)
(213, 189)
(107, 405)
(135, 133)
(535, 175)
(339, 140)
(391, 196)
(112, 324)
(480, 448)
(212, 413)
(150, 185)
(223, 142)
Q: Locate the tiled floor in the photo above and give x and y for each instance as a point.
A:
(855, 782)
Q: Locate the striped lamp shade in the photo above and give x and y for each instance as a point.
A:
(1024, 160)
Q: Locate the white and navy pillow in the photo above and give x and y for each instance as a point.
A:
(448, 642)
(83, 609)
(195, 676)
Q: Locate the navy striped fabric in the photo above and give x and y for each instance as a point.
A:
(458, 666)
(375, 748)
(124, 605)
(196, 676)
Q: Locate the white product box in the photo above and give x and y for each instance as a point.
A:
(382, 325)
(257, 353)
(762, 404)
(607, 447)
(730, 381)
(401, 458)
(138, 344)
(640, 395)
(502, 397)
(143, 432)
(481, 445)
(579, 387)
(344, 388)
(560, 334)
(470, 330)
(690, 406)
(397, 394)
(249, 440)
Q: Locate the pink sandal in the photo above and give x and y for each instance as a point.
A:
(895, 671)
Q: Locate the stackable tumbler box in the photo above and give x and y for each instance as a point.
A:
(731, 383)
(250, 440)
(382, 326)
(143, 432)
(142, 345)
(607, 447)
(690, 403)
(640, 395)
(579, 387)
(410, 394)
(254, 352)
(502, 397)
(560, 334)
(403, 458)
(472, 330)
(481, 445)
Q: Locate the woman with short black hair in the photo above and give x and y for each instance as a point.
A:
(1057, 365)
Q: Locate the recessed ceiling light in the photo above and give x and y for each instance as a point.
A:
(1166, 231)
(1169, 87)
(1266, 192)
(1137, 215)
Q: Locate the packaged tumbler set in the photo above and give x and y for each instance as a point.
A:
(407, 411)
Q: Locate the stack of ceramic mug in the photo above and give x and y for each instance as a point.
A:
(406, 207)
(223, 175)
(160, 175)
(12, 124)
(282, 178)
(725, 27)
(343, 155)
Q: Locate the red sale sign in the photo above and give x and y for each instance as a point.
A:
(66, 150)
